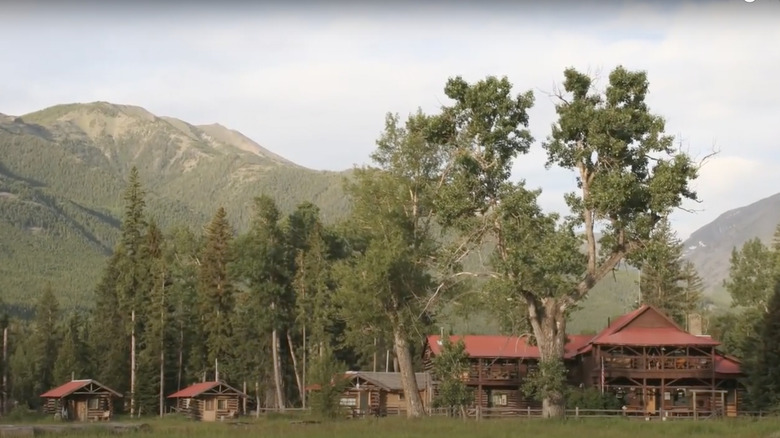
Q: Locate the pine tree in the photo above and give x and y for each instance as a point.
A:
(666, 282)
(107, 334)
(155, 359)
(265, 266)
(118, 322)
(215, 291)
(762, 364)
(45, 340)
(73, 357)
(182, 253)
(132, 273)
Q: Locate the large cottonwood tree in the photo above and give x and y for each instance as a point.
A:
(628, 176)
(387, 283)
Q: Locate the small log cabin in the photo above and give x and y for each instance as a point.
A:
(657, 368)
(209, 401)
(499, 365)
(81, 400)
(376, 393)
(643, 358)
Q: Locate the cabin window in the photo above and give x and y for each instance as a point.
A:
(680, 397)
(348, 401)
(222, 404)
(401, 396)
(499, 400)
(93, 403)
(209, 404)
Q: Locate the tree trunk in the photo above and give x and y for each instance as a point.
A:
(5, 371)
(132, 363)
(162, 349)
(257, 399)
(549, 325)
(181, 356)
(414, 406)
(303, 368)
(295, 365)
(277, 371)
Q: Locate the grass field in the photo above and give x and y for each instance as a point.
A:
(454, 428)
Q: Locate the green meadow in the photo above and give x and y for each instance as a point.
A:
(444, 427)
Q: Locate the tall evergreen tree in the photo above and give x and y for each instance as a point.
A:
(182, 252)
(117, 328)
(156, 357)
(215, 292)
(762, 364)
(45, 340)
(107, 335)
(73, 360)
(265, 267)
(133, 273)
(666, 282)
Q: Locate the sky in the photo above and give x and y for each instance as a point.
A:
(313, 81)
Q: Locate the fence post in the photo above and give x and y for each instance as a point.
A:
(528, 410)
(577, 412)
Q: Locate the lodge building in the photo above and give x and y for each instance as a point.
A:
(643, 358)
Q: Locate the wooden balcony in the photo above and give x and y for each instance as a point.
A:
(496, 373)
(657, 367)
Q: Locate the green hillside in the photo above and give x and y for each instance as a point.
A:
(63, 170)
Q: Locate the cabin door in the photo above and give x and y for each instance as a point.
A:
(364, 405)
(650, 402)
(209, 410)
(81, 410)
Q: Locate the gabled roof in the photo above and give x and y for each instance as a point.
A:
(725, 364)
(201, 388)
(510, 347)
(75, 386)
(387, 380)
(621, 332)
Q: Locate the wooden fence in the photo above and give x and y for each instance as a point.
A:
(497, 413)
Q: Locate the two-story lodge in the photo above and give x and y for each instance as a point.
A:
(643, 358)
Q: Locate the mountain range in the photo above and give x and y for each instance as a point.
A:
(63, 171)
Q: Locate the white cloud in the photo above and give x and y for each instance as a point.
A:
(314, 86)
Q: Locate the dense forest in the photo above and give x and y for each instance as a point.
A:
(274, 305)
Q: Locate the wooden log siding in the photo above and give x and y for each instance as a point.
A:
(226, 406)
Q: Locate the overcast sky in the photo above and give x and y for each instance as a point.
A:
(313, 82)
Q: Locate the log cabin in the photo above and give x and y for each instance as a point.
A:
(81, 400)
(657, 368)
(209, 401)
(378, 393)
(643, 358)
(499, 366)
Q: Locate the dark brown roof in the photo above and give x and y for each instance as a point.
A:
(387, 380)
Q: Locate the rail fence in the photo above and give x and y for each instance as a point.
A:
(535, 413)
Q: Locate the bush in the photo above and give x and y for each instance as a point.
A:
(327, 376)
(592, 398)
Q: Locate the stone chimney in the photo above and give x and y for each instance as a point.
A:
(695, 324)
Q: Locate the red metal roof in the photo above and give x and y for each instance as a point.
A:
(515, 347)
(194, 390)
(655, 336)
(727, 365)
(619, 333)
(66, 389)
(73, 386)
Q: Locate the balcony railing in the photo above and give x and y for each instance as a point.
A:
(636, 363)
(495, 372)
